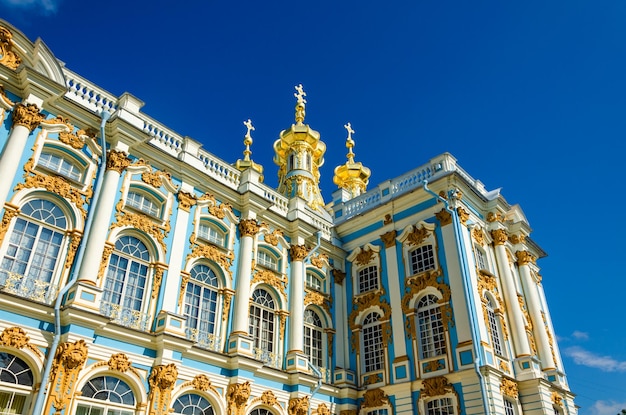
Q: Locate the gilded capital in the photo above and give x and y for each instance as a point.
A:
(524, 257)
(499, 236)
(389, 239)
(186, 200)
(117, 161)
(27, 116)
(339, 276)
(298, 252)
(248, 227)
(444, 217)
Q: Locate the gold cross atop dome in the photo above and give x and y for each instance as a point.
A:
(300, 107)
(352, 176)
(247, 162)
(349, 142)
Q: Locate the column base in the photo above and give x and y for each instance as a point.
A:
(297, 361)
(556, 377)
(86, 296)
(240, 343)
(527, 367)
(344, 377)
(170, 323)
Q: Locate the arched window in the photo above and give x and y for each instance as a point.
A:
(422, 259)
(201, 303)
(368, 279)
(314, 282)
(373, 353)
(60, 165)
(494, 328)
(32, 252)
(441, 406)
(211, 233)
(143, 203)
(192, 404)
(106, 395)
(262, 321)
(267, 260)
(126, 282)
(432, 341)
(16, 382)
(313, 337)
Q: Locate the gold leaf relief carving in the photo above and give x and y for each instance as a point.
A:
(298, 406)
(184, 279)
(143, 223)
(55, 184)
(8, 57)
(27, 116)
(322, 409)
(272, 238)
(298, 252)
(269, 399)
(227, 296)
(348, 412)
(517, 238)
(499, 236)
(557, 399)
(108, 250)
(319, 260)
(282, 319)
(248, 227)
(319, 299)
(214, 254)
(72, 140)
(185, 200)
(268, 277)
(524, 258)
(71, 250)
(9, 213)
(338, 276)
(509, 388)
(201, 382)
(389, 239)
(17, 338)
(156, 281)
(436, 386)
(117, 161)
(119, 362)
(374, 398)
(237, 396)
(494, 217)
(68, 360)
(365, 301)
(463, 215)
(417, 236)
(364, 257)
(420, 282)
(162, 380)
(478, 236)
(444, 217)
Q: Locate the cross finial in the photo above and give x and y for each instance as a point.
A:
(247, 140)
(348, 128)
(300, 94)
(249, 126)
(349, 142)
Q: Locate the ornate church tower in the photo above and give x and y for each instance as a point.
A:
(299, 153)
(352, 177)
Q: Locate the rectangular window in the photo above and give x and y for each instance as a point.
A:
(422, 259)
(368, 279)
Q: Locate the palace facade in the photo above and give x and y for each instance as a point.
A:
(141, 274)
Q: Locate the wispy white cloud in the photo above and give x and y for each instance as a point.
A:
(580, 335)
(43, 6)
(606, 408)
(586, 358)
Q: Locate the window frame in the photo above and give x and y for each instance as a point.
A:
(415, 264)
(209, 338)
(155, 200)
(494, 327)
(311, 329)
(274, 265)
(373, 347)
(436, 332)
(266, 315)
(219, 239)
(24, 391)
(105, 405)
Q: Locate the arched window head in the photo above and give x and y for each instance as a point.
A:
(432, 340)
(267, 260)
(16, 382)
(422, 259)
(126, 281)
(373, 353)
(262, 320)
(58, 164)
(368, 279)
(143, 203)
(314, 282)
(192, 404)
(106, 395)
(313, 345)
(441, 406)
(31, 256)
(494, 327)
(210, 232)
(201, 301)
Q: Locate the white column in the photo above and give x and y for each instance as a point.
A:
(25, 119)
(116, 163)
(172, 282)
(518, 330)
(341, 345)
(248, 228)
(296, 299)
(534, 308)
(395, 294)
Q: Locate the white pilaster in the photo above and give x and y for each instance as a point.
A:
(296, 306)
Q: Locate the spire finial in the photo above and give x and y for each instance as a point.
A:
(247, 140)
(300, 113)
(349, 142)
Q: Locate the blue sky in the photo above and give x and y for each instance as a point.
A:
(528, 96)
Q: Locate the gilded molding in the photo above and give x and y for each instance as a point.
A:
(227, 296)
(184, 279)
(16, 338)
(478, 236)
(298, 406)
(117, 161)
(319, 260)
(155, 178)
(282, 320)
(143, 223)
(338, 276)
(268, 277)
(499, 236)
(494, 217)
(248, 227)
(27, 116)
(9, 213)
(76, 237)
(374, 398)
(73, 140)
(298, 252)
(119, 362)
(106, 253)
(364, 257)
(8, 57)
(557, 399)
(348, 412)
(522, 306)
(322, 409)
(330, 333)
(185, 200)
(463, 215)
(54, 184)
(272, 238)
(268, 398)
(420, 282)
(364, 302)
(202, 383)
(550, 339)
(509, 388)
(162, 381)
(157, 280)
(389, 239)
(438, 386)
(319, 299)
(444, 217)
(214, 254)
(237, 397)
(517, 239)
(524, 258)
(68, 361)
